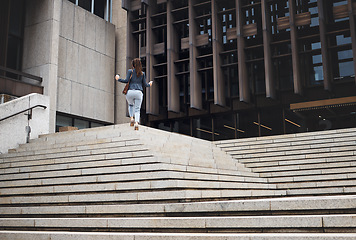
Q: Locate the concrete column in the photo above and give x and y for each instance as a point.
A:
(267, 36)
(41, 44)
(172, 56)
(295, 52)
(219, 81)
(327, 69)
(196, 100)
(244, 87)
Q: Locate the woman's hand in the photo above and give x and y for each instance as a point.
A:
(117, 77)
(150, 83)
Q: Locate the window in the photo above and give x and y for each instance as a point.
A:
(15, 37)
(101, 8)
(64, 120)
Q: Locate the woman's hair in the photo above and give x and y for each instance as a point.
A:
(136, 63)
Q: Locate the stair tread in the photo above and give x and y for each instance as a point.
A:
(44, 235)
(280, 221)
(246, 205)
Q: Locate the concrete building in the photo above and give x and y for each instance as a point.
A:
(69, 51)
(227, 69)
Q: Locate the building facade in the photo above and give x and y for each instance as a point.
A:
(243, 68)
(65, 49)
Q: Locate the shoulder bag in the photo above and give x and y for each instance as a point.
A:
(126, 88)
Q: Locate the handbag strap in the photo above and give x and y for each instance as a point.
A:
(130, 78)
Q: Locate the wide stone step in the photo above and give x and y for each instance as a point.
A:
(166, 195)
(132, 186)
(317, 184)
(312, 174)
(122, 160)
(281, 223)
(325, 166)
(281, 157)
(125, 173)
(271, 146)
(343, 142)
(313, 178)
(18, 161)
(71, 164)
(135, 163)
(42, 148)
(40, 235)
(113, 131)
(319, 152)
(299, 137)
(304, 162)
(322, 191)
(265, 206)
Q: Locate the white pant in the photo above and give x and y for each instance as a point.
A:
(134, 100)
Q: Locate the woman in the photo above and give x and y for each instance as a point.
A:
(134, 95)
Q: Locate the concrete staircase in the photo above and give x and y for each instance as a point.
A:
(116, 183)
(302, 164)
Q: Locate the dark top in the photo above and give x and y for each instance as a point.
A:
(136, 83)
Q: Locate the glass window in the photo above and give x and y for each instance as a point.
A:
(284, 73)
(81, 124)
(316, 45)
(16, 18)
(182, 127)
(293, 122)
(94, 125)
(101, 8)
(13, 60)
(86, 4)
(345, 54)
(62, 121)
(339, 3)
(271, 121)
(246, 122)
(346, 69)
(225, 126)
(317, 59)
(202, 128)
(318, 74)
(341, 39)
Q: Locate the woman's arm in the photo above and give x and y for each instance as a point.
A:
(129, 73)
(144, 83)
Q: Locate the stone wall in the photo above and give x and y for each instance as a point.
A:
(77, 54)
(86, 64)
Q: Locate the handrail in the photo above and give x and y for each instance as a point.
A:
(38, 105)
(39, 79)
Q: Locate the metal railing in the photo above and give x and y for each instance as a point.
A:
(30, 76)
(28, 109)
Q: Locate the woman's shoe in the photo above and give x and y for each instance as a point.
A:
(136, 126)
(132, 122)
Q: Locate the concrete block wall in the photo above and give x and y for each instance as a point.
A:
(74, 52)
(86, 64)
